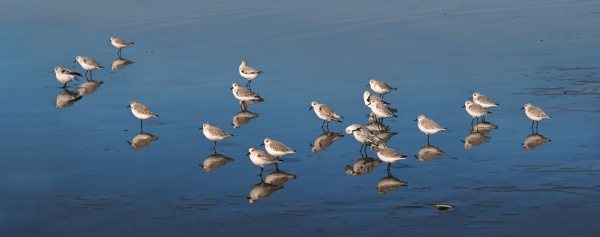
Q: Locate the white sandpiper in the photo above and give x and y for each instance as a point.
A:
(368, 98)
(276, 148)
(140, 111)
(380, 87)
(483, 100)
(381, 110)
(363, 135)
(535, 114)
(119, 43)
(214, 133)
(244, 94)
(262, 158)
(65, 75)
(88, 64)
(325, 113)
(248, 72)
(428, 126)
(388, 155)
(475, 110)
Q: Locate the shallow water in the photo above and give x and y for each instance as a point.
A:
(67, 168)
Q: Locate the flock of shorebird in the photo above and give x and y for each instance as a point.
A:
(275, 149)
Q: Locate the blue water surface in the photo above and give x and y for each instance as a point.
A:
(67, 169)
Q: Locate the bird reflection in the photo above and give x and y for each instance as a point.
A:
(474, 139)
(66, 98)
(377, 127)
(429, 152)
(262, 190)
(214, 161)
(88, 87)
(245, 103)
(389, 183)
(362, 166)
(534, 140)
(243, 118)
(119, 63)
(324, 140)
(141, 140)
(279, 178)
(484, 127)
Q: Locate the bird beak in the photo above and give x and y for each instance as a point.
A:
(470, 97)
(523, 108)
(463, 106)
(368, 84)
(416, 157)
(248, 154)
(200, 128)
(310, 108)
(128, 106)
(75, 61)
(262, 144)
(416, 119)
(231, 88)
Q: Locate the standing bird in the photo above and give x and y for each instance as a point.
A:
(363, 135)
(119, 43)
(380, 87)
(325, 113)
(213, 133)
(381, 110)
(428, 126)
(276, 148)
(65, 75)
(483, 100)
(88, 64)
(475, 110)
(535, 114)
(141, 112)
(248, 72)
(243, 94)
(262, 158)
(388, 155)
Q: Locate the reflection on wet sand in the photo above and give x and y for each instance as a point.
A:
(474, 139)
(534, 140)
(141, 140)
(443, 207)
(245, 103)
(279, 178)
(377, 127)
(429, 152)
(120, 63)
(262, 190)
(362, 166)
(484, 127)
(389, 183)
(243, 118)
(324, 140)
(66, 98)
(88, 87)
(214, 161)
